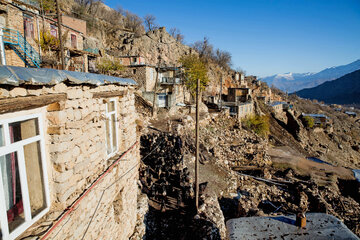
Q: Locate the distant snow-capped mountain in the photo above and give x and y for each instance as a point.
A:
(292, 82)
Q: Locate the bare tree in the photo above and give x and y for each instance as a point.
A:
(175, 33)
(204, 48)
(133, 22)
(150, 22)
(223, 58)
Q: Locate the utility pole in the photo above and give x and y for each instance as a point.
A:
(62, 57)
(220, 99)
(155, 89)
(197, 146)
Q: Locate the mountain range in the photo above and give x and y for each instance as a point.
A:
(344, 90)
(292, 82)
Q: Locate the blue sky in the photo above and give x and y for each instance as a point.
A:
(265, 37)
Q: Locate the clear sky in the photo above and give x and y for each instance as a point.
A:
(265, 37)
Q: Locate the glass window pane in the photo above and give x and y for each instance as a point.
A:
(113, 130)
(2, 141)
(34, 174)
(12, 190)
(23, 130)
(108, 142)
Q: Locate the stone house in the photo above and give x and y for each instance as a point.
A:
(319, 119)
(240, 79)
(241, 110)
(278, 107)
(169, 90)
(20, 33)
(22, 24)
(77, 55)
(239, 100)
(239, 95)
(68, 155)
(132, 60)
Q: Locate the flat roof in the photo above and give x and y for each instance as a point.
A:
(277, 103)
(318, 226)
(16, 76)
(315, 115)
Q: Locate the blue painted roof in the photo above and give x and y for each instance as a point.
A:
(315, 115)
(276, 103)
(16, 76)
(350, 113)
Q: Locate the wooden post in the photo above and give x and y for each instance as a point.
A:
(197, 146)
(62, 57)
(220, 99)
(155, 89)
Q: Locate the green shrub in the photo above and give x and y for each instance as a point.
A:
(259, 124)
(194, 69)
(48, 41)
(106, 65)
(308, 122)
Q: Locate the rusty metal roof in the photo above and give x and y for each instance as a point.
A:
(15, 76)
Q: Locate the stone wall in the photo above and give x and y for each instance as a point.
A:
(76, 157)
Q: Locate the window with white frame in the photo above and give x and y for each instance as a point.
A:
(24, 191)
(111, 129)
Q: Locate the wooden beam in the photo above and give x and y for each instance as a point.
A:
(109, 94)
(8, 105)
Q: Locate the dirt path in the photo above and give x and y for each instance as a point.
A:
(286, 157)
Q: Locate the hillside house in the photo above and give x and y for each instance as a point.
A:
(22, 26)
(241, 110)
(169, 89)
(132, 60)
(240, 79)
(68, 155)
(20, 33)
(319, 119)
(239, 100)
(239, 94)
(351, 114)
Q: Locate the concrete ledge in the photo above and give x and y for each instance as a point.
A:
(318, 226)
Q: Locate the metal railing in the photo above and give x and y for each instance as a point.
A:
(22, 47)
(170, 80)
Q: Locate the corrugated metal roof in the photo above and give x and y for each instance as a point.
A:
(16, 76)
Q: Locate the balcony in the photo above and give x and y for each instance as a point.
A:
(170, 80)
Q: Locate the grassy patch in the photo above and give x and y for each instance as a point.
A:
(259, 124)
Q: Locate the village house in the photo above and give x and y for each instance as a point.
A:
(69, 156)
(319, 119)
(351, 114)
(239, 94)
(241, 110)
(132, 60)
(20, 33)
(169, 89)
(240, 79)
(22, 26)
(239, 100)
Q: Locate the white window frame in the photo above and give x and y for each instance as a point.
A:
(19, 148)
(108, 119)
